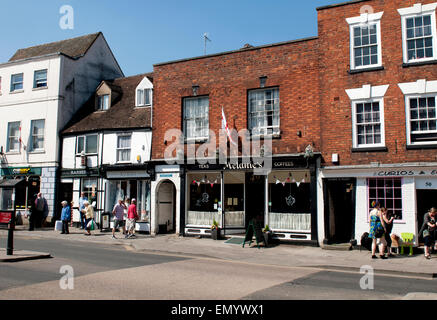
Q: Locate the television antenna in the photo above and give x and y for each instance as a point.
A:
(205, 39)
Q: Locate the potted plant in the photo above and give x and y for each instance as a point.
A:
(215, 230)
(267, 233)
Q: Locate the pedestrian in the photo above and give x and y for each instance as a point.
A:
(118, 213)
(127, 204)
(428, 231)
(82, 199)
(40, 209)
(32, 215)
(377, 230)
(71, 210)
(65, 217)
(88, 212)
(132, 216)
(388, 219)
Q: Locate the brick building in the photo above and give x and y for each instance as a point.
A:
(378, 115)
(270, 90)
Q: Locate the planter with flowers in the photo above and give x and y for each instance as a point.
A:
(215, 230)
(267, 233)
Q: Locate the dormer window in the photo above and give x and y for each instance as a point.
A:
(103, 102)
(144, 97)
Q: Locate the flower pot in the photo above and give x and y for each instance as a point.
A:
(267, 238)
(215, 234)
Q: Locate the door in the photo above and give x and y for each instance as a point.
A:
(426, 199)
(339, 210)
(166, 207)
(255, 197)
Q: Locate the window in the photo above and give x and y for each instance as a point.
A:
(37, 135)
(40, 79)
(124, 148)
(365, 41)
(16, 82)
(420, 106)
(103, 102)
(388, 191)
(144, 97)
(419, 32)
(196, 118)
(14, 137)
(368, 123)
(87, 144)
(264, 111)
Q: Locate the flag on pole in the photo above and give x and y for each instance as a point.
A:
(226, 127)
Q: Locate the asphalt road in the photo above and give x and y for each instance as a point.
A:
(111, 272)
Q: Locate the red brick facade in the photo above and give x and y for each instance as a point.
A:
(336, 113)
(226, 79)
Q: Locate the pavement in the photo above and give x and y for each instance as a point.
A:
(283, 254)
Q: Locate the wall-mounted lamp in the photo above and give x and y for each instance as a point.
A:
(262, 81)
(195, 90)
(1, 151)
(299, 134)
(335, 158)
(138, 158)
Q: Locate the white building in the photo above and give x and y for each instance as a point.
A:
(106, 153)
(41, 88)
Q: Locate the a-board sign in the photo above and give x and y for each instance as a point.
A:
(254, 229)
(5, 217)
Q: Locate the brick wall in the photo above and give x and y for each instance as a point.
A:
(336, 112)
(226, 78)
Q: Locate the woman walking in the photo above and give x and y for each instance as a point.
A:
(65, 217)
(428, 231)
(377, 230)
(88, 212)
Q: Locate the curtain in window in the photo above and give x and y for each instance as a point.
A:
(14, 136)
(123, 148)
(196, 116)
(38, 134)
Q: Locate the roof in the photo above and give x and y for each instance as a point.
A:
(340, 4)
(122, 113)
(73, 48)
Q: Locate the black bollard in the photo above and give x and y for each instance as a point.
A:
(11, 227)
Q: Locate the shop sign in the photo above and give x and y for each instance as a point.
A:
(126, 174)
(166, 175)
(79, 172)
(240, 166)
(5, 217)
(405, 173)
(283, 164)
(21, 171)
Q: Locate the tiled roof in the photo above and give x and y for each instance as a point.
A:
(73, 48)
(122, 113)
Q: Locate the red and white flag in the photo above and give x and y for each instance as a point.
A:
(226, 127)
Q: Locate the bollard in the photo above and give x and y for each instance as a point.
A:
(10, 248)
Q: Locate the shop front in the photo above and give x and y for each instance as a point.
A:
(235, 194)
(127, 183)
(88, 181)
(25, 193)
(407, 191)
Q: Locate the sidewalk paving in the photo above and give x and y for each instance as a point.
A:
(284, 254)
(22, 255)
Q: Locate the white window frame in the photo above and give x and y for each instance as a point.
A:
(8, 137)
(123, 149)
(32, 135)
(367, 93)
(85, 137)
(37, 82)
(101, 102)
(419, 89)
(141, 98)
(365, 20)
(273, 130)
(418, 10)
(200, 138)
(13, 84)
(355, 123)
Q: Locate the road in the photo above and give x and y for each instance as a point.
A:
(111, 272)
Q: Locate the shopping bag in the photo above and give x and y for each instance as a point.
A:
(91, 225)
(58, 225)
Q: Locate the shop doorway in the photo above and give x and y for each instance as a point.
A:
(255, 197)
(426, 199)
(166, 208)
(65, 193)
(339, 195)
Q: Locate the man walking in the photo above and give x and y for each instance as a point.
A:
(41, 209)
(132, 216)
(82, 200)
(118, 213)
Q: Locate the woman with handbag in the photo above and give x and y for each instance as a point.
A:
(428, 231)
(377, 231)
(88, 212)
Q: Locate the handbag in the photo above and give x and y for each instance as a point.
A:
(426, 233)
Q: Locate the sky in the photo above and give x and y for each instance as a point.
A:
(142, 33)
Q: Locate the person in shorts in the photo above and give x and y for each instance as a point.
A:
(118, 213)
(132, 216)
(428, 231)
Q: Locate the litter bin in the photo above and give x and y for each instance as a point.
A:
(105, 219)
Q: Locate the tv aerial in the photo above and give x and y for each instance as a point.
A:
(205, 39)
